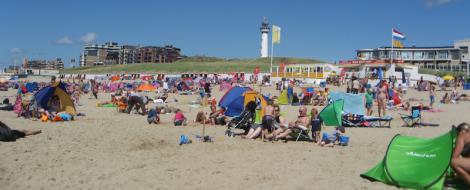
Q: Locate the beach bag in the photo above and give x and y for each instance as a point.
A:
(343, 140)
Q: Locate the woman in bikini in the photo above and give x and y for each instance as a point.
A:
(382, 97)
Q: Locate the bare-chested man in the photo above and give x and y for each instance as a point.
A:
(300, 123)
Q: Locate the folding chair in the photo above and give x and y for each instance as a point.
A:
(301, 133)
(413, 119)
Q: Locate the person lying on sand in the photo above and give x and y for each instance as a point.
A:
(8, 134)
(113, 100)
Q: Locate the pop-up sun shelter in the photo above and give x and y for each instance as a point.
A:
(236, 98)
(283, 98)
(43, 96)
(412, 162)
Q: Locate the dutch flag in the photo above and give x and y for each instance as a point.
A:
(398, 35)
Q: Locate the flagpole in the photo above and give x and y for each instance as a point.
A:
(391, 55)
(272, 51)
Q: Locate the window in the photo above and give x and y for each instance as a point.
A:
(418, 55)
(406, 55)
(464, 49)
(442, 55)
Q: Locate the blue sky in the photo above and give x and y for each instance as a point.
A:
(330, 30)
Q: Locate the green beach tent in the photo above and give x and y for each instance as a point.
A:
(416, 163)
(332, 113)
(283, 99)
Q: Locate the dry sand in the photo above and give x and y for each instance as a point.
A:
(110, 150)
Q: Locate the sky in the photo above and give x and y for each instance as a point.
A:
(329, 30)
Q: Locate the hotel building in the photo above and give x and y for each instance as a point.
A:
(447, 58)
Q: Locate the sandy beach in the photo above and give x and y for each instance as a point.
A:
(110, 150)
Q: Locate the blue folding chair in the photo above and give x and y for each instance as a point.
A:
(414, 119)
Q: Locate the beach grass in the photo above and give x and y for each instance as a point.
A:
(196, 64)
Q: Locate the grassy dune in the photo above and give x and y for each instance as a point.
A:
(193, 64)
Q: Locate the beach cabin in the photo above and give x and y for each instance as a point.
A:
(375, 69)
(309, 73)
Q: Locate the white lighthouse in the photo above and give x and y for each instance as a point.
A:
(264, 37)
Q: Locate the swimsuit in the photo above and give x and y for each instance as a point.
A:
(267, 122)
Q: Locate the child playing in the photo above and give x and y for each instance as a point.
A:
(179, 118)
(316, 123)
(329, 140)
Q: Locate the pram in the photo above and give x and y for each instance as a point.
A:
(242, 121)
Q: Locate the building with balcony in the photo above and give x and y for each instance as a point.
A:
(448, 58)
(111, 53)
(106, 54)
(56, 64)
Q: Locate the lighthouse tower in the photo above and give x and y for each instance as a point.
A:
(264, 37)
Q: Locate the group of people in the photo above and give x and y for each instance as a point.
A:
(273, 126)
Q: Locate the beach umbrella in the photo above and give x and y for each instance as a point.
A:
(332, 113)
(146, 87)
(448, 77)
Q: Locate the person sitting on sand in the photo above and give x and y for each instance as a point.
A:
(295, 99)
(153, 116)
(201, 118)
(179, 118)
(278, 123)
(301, 122)
(445, 99)
(330, 140)
(54, 106)
(461, 155)
(217, 117)
(8, 134)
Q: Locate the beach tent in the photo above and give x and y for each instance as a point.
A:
(332, 113)
(146, 87)
(353, 103)
(233, 100)
(43, 96)
(416, 163)
(236, 98)
(31, 86)
(283, 98)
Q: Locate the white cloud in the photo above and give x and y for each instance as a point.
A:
(64, 41)
(89, 37)
(432, 3)
(16, 50)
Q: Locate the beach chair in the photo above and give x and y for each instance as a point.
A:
(374, 121)
(413, 119)
(301, 133)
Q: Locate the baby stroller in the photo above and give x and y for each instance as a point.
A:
(242, 121)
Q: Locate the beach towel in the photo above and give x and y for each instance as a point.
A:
(353, 103)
